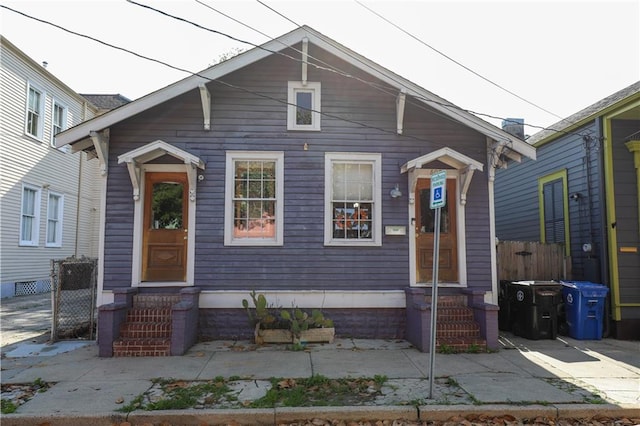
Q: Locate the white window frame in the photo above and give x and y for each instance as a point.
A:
(58, 220)
(295, 87)
(40, 125)
(232, 157)
(35, 225)
(376, 226)
(63, 119)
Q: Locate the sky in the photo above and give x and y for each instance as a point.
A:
(555, 57)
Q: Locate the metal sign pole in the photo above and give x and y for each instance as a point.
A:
(434, 298)
(438, 200)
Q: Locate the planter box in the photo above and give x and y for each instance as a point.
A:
(314, 335)
(272, 336)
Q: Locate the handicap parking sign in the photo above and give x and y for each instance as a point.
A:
(438, 189)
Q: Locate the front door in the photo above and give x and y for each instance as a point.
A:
(424, 229)
(164, 240)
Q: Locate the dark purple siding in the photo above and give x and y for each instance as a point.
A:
(242, 120)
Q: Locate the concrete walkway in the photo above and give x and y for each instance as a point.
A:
(562, 378)
(551, 378)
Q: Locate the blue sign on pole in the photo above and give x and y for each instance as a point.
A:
(438, 190)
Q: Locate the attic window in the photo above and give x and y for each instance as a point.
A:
(303, 109)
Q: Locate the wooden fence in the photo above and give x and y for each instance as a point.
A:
(531, 260)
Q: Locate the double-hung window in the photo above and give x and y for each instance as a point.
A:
(254, 198)
(303, 109)
(352, 199)
(55, 209)
(35, 112)
(30, 215)
(58, 121)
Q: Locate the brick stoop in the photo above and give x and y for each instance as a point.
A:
(457, 330)
(147, 329)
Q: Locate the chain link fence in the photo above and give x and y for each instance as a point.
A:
(73, 283)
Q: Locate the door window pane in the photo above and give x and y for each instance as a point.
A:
(167, 205)
(428, 216)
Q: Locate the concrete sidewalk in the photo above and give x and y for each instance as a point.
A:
(562, 378)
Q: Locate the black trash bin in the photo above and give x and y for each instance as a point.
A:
(504, 314)
(533, 308)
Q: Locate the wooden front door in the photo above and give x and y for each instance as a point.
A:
(424, 229)
(164, 241)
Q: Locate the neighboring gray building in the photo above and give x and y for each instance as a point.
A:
(583, 192)
(49, 207)
(302, 170)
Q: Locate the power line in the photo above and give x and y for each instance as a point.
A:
(262, 95)
(248, 90)
(451, 107)
(278, 13)
(454, 61)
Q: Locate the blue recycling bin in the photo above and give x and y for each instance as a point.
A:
(584, 308)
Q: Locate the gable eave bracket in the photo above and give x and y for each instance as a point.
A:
(400, 101)
(101, 145)
(305, 60)
(205, 97)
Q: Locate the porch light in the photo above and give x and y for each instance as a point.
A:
(395, 192)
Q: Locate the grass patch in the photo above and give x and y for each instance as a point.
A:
(319, 390)
(8, 407)
(179, 395)
(26, 392)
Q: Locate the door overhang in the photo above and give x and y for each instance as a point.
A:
(464, 164)
(140, 160)
(154, 150)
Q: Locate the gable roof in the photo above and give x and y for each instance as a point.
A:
(82, 131)
(106, 101)
(585, 115)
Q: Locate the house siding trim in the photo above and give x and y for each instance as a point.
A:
(306, 299)
(612, 234)
(461, 231)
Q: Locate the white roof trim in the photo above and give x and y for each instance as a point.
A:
(106, 120)
(157, 149)
(448, 156)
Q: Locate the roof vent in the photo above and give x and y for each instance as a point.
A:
(514, 126)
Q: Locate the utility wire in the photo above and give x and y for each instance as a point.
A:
(233, 86)
(453, 60)
(238, 87)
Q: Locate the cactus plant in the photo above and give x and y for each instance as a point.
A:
(300, 321)
(261, 313)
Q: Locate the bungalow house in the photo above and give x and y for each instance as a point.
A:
(299, 169)
(583, 192)
(46, 213)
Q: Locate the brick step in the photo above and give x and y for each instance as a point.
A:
(149, 315)
(141, 347)
(457, 301)
(145, 330)
(455, 314)
(460, 344)
(458, 329)
(145, 301)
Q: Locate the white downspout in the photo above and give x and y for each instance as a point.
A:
(491, 157)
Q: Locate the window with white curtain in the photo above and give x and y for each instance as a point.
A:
(55, 210)
(30, 215)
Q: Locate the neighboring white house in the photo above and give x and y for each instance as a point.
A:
(48, 206)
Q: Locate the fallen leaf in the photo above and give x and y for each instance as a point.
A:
(119, 400)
